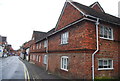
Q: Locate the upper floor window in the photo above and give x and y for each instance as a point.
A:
(104, 64)
(39, 45)
(106, 32)
(33, 47)
(64, 38)
(45, 43)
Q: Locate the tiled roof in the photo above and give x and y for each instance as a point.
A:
(46, 34)
(103, 16)
(89, 11)
(38, 35)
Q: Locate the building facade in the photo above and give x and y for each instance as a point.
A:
(85, 44)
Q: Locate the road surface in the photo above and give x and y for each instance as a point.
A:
(12, 68)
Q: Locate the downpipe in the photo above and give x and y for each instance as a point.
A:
(47, 54)
(93, 55)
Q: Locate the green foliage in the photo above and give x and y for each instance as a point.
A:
(103, 78)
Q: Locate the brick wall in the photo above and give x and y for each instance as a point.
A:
(97, 8)
(78, 67)
(69, 15)
(81, 36)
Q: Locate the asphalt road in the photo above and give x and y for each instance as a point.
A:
(12, 68)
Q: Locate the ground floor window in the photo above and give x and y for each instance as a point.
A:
(45, 59)
(64, 63)
(39, 58)
(105, 64)
(33, 57)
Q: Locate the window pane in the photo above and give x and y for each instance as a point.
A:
(105, 62)
(100, 63)
(110, 33)
(105, 32)
(101, 31)
(110, 63)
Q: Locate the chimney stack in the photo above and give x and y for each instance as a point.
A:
(119, 9)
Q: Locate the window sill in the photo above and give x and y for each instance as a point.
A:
(64, 44)
(105, 69)
(105, 38)
(64, 69)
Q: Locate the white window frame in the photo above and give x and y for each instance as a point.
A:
(64, 63)
(102, 32)
(37, 46)
(45, 59)
(33, 47)
(64, 38)
(40, 46)
(45, 43)
(33, 57)
(107, 65)
(39, 58)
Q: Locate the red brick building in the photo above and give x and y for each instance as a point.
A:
(85, 44)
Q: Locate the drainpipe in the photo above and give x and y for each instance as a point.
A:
(93, 55)
(47, 54)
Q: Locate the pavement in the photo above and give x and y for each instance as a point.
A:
(37, 73)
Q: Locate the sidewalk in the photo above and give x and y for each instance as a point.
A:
(39, 74)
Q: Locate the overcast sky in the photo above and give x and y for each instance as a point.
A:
(18, 18)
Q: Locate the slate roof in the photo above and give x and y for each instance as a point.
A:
(103, 16)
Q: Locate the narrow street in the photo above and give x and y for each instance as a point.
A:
(12, 68)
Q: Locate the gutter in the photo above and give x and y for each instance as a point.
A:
(93, 55)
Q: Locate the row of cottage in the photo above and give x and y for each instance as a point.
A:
(85, 44)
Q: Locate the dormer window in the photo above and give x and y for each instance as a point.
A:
(106, 32)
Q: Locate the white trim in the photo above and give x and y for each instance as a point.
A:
(106, 38)
(105, 68)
